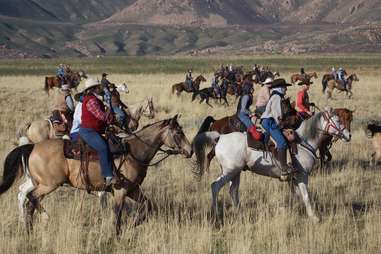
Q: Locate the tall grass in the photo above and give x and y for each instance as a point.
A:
(347, 195)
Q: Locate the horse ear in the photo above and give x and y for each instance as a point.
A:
(173, 120)
(329, 109)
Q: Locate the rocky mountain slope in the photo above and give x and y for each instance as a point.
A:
(51, 28)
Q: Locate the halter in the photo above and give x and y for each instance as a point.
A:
(331, 125)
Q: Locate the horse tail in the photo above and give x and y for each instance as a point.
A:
(199, 145)
(174, 88)
(194, 95)
(46, 87)
(205, 126)
(13, 165)
(324, 83)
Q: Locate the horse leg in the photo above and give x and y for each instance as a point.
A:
(216, 187)
(145, 207)
(372, 161)
(119, 196)
(302, 186)
(103, 199)
(25, 189)
(226, 101)
(234, 190)
(210, 157)
(207, 102)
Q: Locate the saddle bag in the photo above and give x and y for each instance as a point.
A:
(115, 144)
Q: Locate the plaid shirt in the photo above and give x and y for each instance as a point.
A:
(94, 107)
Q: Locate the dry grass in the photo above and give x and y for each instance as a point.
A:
(347, 195)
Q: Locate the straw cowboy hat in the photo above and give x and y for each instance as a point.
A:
(268, 81)
(65, 87)
(90, 83)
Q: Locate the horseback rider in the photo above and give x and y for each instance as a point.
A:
(303, 73)
(74, 132)
(117, 106)
(94, 120)
(263, 96)
(341, 77)
(271, 122)
(106, 90)
(63, 110)
(302, 100)
(333, 72)
(61, 74)
(243, 110)
(216, 87)
(189, 80)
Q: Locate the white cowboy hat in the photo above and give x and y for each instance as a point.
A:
(91, 82)
(268, 81)
(65, 87)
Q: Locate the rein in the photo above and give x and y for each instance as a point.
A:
(331, 124)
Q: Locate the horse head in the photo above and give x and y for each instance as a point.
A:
(353, 77)
(122, 88)
(332, 125)
(174, 137)
(345, 116)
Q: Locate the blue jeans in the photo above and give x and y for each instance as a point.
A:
(273, 129)
(245, 119)
(95, 141)
(74, 136)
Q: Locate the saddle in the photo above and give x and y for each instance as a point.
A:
(236, 124)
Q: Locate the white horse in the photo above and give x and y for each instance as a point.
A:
(233, 155)
(122, 88)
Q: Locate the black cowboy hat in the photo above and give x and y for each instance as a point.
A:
(104, 74)
(280, 82)
(305, 82)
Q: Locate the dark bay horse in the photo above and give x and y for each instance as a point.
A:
(300, 77)
(180, 87)
(206, 93)
(73, 79)
(48, 168)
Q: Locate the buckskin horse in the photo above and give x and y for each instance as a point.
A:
(233, 155)
(74, 79)
(327, 77)
(332, 84)
(47, 168)
(300, 77)
(180, 87)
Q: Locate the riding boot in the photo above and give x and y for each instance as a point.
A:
(285, 169)
(255, 133)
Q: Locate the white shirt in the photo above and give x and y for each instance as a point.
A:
(77, 118)
(273, 108)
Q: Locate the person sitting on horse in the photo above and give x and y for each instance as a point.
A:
(302, 100)
(94, 120)
(117, 106)
(63, 110)
(61, 74)
(333, 72)
(243, 110)
(106, 90)
(189, 80)
(271, 122)
(303, 73)
(341, 77)
(216, 87)
(74, 132)
(263, 96)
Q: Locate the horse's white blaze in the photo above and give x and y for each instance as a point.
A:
(123, 88)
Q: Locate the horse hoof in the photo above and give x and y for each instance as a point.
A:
(284, 178)
(315, 219)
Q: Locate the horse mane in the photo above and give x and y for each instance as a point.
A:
(309, 126)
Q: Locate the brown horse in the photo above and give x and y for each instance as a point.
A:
(375, 133)
(346, 116)
(332, 84)
(179, 87)
(48, 169)
(300, 77)
(226, 124)
(327, 77)
(74, 79)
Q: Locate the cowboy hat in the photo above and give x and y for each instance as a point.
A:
(280, 82)
(268, 81)
(90, 83)
(305, 82)
(104, 74)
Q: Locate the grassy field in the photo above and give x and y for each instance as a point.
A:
(347, 196)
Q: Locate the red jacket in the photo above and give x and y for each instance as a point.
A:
(88, 118)
(302, 101)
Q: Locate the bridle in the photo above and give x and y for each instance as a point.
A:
(330, 124)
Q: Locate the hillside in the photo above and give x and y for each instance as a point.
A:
(51, 28)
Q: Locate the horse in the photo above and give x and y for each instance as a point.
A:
(346, 117)
(46, 168)
(234, 155)
(39, 130)
(209, 92)
(327, 77)
(300, 77)
(122, 88)
(74, 79)
(225, 126)
(261, 76)
(332, 84)
(375, 134)
(182, 86)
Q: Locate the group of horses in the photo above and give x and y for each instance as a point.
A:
(45, 167)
